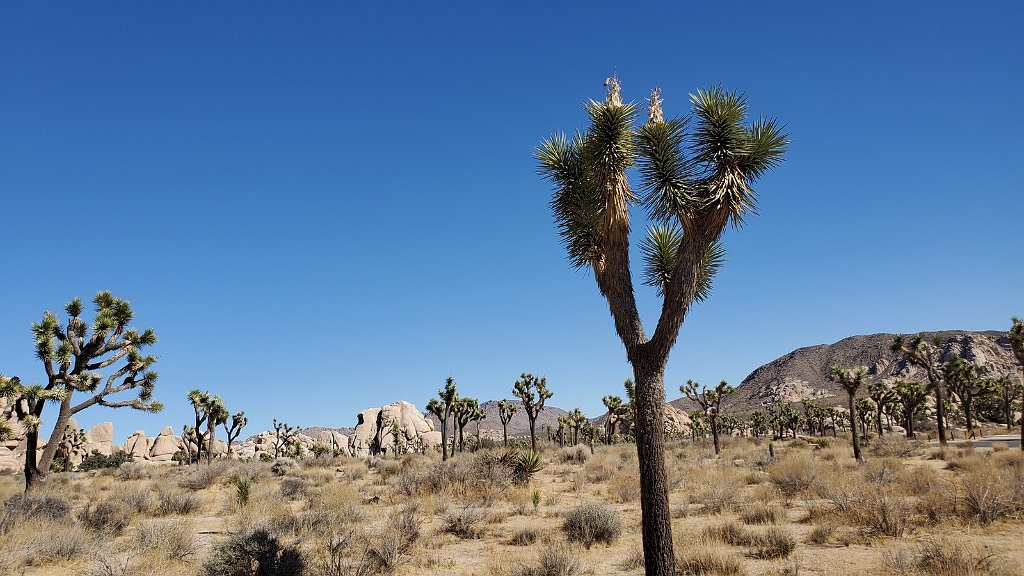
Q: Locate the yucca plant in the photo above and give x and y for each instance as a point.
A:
(526, 465)
(696, 176)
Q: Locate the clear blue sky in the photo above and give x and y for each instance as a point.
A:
(321, 207)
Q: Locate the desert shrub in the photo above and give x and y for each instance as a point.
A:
(706, 561)
(728, 533)
(820, 534)
(177, 502)
(173, 539)
(773, 543)
(793, 474)
(895, 446)
(108, 516)
(578, 454)
(881, 470)
(624, 486)
(293, 488)
(590, 523)
(599, 469)
(283, 465)
(256, 553)
(762, 514)
(22, 507)
(884, 511)
(523, 537)
(947, 557)
(133, 471)
(68, 543)
(553, 560)
(988, 494)
(139, 501)
(464, 523)
(718, 494)
(407, 523)
(385, 551)
(202, 476)
(96, 461)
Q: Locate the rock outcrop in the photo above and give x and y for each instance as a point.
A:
(376, 427)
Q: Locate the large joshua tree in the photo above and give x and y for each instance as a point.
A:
(532, 391)
(911, 397)
(694, 182)
(925, 356)
(710, 400)
(73, 354)
(1017, 345)
(966, 383)
(851, 381)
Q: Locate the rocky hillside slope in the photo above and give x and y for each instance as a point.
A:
(806, 372)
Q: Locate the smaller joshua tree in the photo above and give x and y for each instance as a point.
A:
(851, 381)
(616, 409)
(26, 402)
(923, 355)
(506, 409)
(443, 407)
(910, 398)
(238, 421)
(533, 392)
(285, 439)
(883, 397)
(72, 442)
(1017, 345)
(966, 384)
(710, 401)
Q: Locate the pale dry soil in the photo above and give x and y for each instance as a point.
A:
(362, 499)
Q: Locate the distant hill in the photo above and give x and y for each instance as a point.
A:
(806, 372)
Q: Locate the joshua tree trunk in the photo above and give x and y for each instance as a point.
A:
(853, 429)
(504, 434)
(33, 476)
(650, 447)
(444, 438)
(878, 418)
(714, 432)
(533, 433)
(940, 405)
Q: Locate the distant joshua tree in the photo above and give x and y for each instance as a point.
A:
(851, 381)
(532, 391)
(966, 384)
(442, 408)
(1017, 345)
(285, 439)
(883, 397)
(506, 409)
(616, 409)
(911, 397)
(238, 421)
(924, 355)
(710, 401)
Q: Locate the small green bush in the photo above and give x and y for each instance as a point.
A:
(97, 461)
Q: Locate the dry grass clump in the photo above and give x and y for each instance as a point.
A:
(728, 533)
(552, 560)
(600, 468)
(946, 557)
(292, 488)
(578, 454)
(990, 494)
(464, 523)
(896, 446)
(524, 537)
(172, 539)
(820, 535)
(702, 558)
(719, 491)
(762, 514)
(108, 517)
(775, 542)
(177, 502)
(590, 523)
(793, 474)
(624, 486)
(202, 476)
